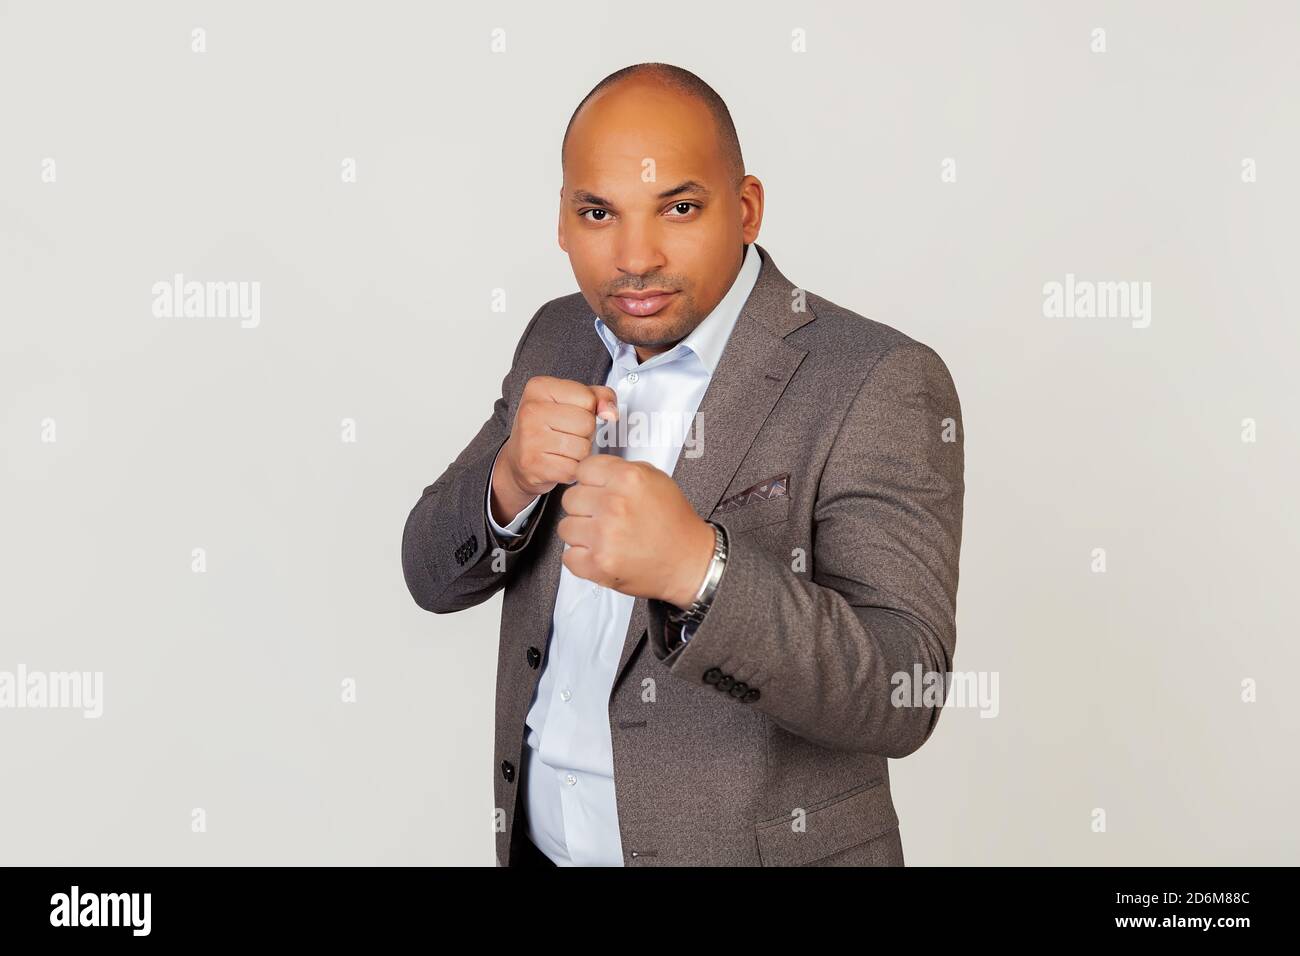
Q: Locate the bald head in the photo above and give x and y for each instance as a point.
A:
(675, 80)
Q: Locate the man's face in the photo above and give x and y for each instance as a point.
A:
(648, 206)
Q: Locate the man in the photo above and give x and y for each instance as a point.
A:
(702, 628)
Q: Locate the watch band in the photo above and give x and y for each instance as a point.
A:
(704, 596)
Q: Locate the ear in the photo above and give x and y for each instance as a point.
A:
(559, 226)
(751, 202)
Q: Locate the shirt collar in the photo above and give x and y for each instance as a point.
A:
(706, 340)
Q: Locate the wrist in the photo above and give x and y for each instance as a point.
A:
(694, 566)
(507, 498)
(689, 619)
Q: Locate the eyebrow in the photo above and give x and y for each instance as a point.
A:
(689, 186)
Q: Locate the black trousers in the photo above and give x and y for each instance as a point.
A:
(527, 855)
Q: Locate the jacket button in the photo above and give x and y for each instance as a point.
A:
(751, 695)
(711, 675)
(738, 689)
(534, 657)
(508, 770)
(725, 682)
(466, 550)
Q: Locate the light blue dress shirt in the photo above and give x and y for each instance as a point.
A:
(568, 765)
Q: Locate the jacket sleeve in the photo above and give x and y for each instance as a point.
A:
(820, 648)
(451, 557)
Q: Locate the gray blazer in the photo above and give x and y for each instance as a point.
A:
(832, 452)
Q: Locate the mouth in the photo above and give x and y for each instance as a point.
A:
(643, 303)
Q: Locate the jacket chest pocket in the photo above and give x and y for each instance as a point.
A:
(755, 514)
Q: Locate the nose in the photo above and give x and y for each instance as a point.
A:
(638, 250)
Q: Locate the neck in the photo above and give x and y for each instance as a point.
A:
(646, 352)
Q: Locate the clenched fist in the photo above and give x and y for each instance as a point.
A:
(630, 528)
(552, 432)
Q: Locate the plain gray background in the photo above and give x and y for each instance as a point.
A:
(1120, 691)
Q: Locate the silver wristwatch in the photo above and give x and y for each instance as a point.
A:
(704, 596)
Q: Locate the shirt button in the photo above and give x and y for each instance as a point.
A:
(570, 779)
(632, 378)
(565, 695)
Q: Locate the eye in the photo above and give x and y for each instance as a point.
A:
(600, 218)
(689, 206)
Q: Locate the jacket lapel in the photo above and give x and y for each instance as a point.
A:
(755, 366)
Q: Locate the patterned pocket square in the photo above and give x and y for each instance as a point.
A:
(778, 486)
